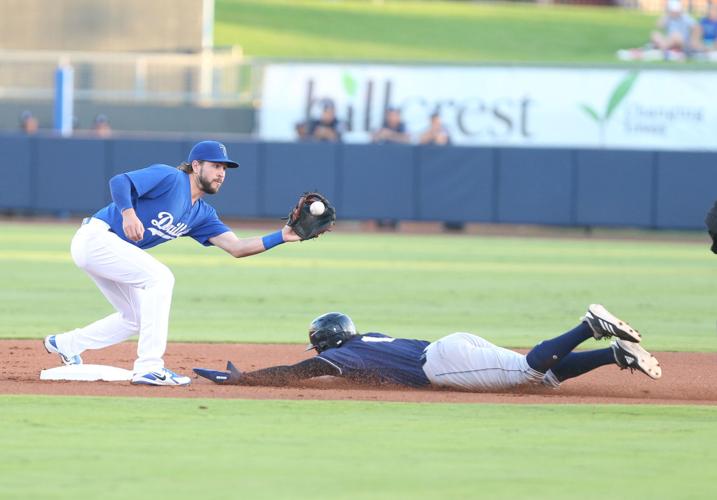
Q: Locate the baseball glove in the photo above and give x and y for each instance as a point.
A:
(307, 225)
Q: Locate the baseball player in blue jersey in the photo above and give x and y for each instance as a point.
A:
(459, 361)
(150, 206)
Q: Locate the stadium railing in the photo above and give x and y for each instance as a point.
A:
(210, 77)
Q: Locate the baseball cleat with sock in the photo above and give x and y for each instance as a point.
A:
(633, 356)
(605, 325)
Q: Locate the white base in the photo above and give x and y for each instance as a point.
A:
(87, 373)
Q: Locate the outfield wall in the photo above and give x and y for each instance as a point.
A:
(661, 189)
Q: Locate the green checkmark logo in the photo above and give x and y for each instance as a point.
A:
(616, 97)
(350, 84)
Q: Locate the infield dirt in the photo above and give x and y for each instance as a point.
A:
(688, 378)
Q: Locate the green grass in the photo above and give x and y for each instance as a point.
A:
(109, 448)
(512, 291)
(429, 31)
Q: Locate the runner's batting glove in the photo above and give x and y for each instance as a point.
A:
(229, 377)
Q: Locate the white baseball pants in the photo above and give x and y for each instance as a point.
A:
(137, 285)
(466, 361)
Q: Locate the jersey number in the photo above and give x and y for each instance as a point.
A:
(377, 339)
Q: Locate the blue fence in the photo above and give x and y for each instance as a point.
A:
(52, 175)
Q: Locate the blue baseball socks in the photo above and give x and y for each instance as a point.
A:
(549, 353)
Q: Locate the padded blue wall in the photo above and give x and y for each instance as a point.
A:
(70, 175)
(48, 174)
(615, 188)
(535, 186)
(16, 173)
(455, 184)
(240, 193)
(290, 169)
(133, 154)
(686, 188)
(377, 182)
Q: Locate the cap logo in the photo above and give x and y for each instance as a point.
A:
(224, 150)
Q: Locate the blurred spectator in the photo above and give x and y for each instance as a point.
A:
(675, 29)
(28, 123)
(436, 133)
(706, 32)
(326, 128)
(302, 131)
(101, 126)
(393, 129)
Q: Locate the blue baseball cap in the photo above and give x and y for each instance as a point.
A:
(211, 151)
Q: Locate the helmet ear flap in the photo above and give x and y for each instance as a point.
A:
(326, 339)
(319, 340)
(330, 330)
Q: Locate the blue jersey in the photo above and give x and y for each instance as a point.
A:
(709, 30)
(162, 199)
(378, 356)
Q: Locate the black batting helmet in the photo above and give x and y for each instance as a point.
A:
(330, 330)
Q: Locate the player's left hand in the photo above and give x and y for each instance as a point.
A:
(229, 377)
(288, 234)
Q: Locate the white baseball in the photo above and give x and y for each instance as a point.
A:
(317, 208)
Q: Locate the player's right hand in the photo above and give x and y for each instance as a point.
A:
(231, 376)
(131, 225)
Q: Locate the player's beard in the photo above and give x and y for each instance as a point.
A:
(207, 185)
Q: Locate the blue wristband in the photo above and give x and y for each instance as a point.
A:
(272, 239)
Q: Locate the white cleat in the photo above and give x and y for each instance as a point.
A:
(633, 356)
(605, 325)
(51, 346)
(163, 376)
